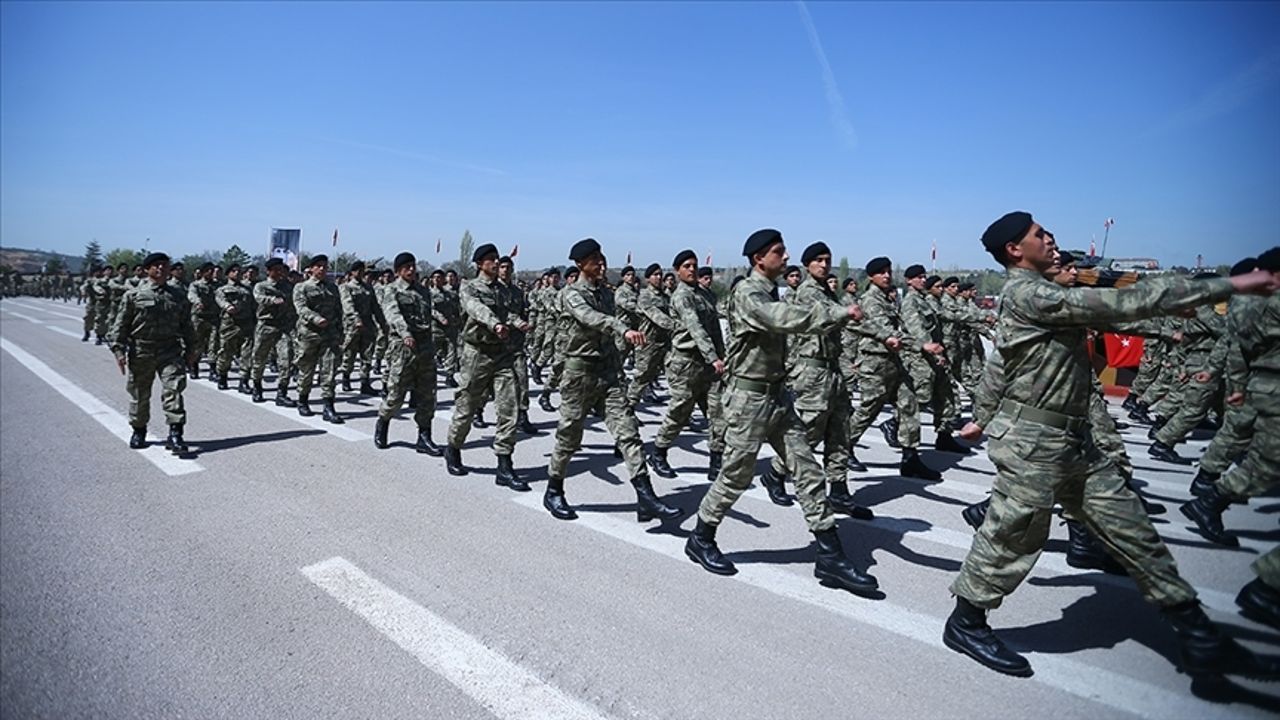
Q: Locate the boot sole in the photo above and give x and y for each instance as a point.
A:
(724, 572)
(1228, 541)
(946, 640)
(866, 591)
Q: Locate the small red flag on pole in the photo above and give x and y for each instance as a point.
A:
(515, 250)
(628, 257)
(335, 237)
(437, 246)
(933, 255)
(708, 262)
(1093, 245)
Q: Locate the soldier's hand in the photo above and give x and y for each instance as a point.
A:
(971, 431)
(231, 309)
(120, 364)
(718, 366)
(523, 326)
(444, 322)
(502, 331)
(321, 322)
(1236, 399)
(893, 343)
(409, 342)
(1202, 377)
(1258, 282)
(855, 312)
(932, 347)
(635, 337)
(279, 301)
(1177, 336)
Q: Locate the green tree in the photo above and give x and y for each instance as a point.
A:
(54, 265)
(235, 255)
(123, 255)
(843, 271)
(466, 247)
(92, 254)
(343, 262)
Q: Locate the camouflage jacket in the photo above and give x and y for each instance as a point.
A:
(809, 350)
(317, 300)
(627, 298)
(920, 322)
(1253, 365)
(517, 301)
(588, 324)
(487, 304)
(880, 321)
(655, 321)
(407, 309)
(446, 309)
(237, 296)
(202, 296)
(758, 347)
(359, 306)
(698, 329)
(153, 318)
(273, 302)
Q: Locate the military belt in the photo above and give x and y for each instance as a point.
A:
(1045, 417)
(756, 386)
(813, 363)
(582, 362)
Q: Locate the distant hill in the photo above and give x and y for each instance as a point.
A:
(33, 261)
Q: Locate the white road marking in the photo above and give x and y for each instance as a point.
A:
(28, 318)
(504, 688)
(340, 431)
(63, 331)
(113, 421)
(51, 312)
(1103, 686)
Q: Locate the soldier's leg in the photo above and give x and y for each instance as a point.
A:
(89, 317)
(1148, 366)
(921, 374)
(802, 466)
(1192, 408)
(308, 356)
(747, 414)
(263, 343)
(506, 395)
(474, 384)
(348, 350)
(394, 378)
(577, 396)
(328, 368)
(173, 382)
(715, 412)
(1267, 568)
(1231, 440)
(908, 410)
(1260, 470)
(520, 366)
(141, 373)
(873, 391)
(1105, 435)
(423, 372)
(246, 350)
(646, 370)
(620, 419)
(230, 341)
(685, 380)
(367, 338)
(835, 436)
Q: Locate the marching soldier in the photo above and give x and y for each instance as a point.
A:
(654, 312)
(202, 296)
(926, 359)
(518, 340)
(91, 295)
(361, 318)
(277, 319)
(236, 303)
(319, 327)
(411, 355)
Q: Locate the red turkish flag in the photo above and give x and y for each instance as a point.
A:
(1123, 350)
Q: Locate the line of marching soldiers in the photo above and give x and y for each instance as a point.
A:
(783, 375)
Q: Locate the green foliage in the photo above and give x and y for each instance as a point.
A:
(54, 265)
(466, 247)
(124, 255)
(235, 254)
(842, 271)
(92, 254)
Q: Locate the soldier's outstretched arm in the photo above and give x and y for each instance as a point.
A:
(657, 315)
(476, 309)
(759, 312)
(1045, 302)
(577, 306)
(687, 314)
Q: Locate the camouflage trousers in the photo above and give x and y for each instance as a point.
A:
(692, 382)
(317, 351)
(204, 328)
(1231, 440)
(557, 370)
(821, 401)
(1267, 568)
(232, 336)
(1162, 385)
(246, 349)
(101, 319)
(849, 362)
(971, 364)
(649, 360)
(358, 344)
(410, 370)
(267, 339)
(485, 371)
(522, 380)
(756, 413)
(545, 353)
(884, 378)
(90, 315)
(584, 384)
(1148, 366)
(380, 347)
(933, 390)
(1105, 435)
(1193, 400)
(1036, 466)
(1260, 470)
(144, 366)
(447, 348)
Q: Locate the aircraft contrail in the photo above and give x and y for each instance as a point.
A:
(835, 101)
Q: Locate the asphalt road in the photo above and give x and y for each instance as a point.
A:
(291, 570)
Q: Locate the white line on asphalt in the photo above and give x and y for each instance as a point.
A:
(51, 312)
(338, 431)
(63, 331)
(504, 688)
(1103, 686)
(28, 318)
(113, 421)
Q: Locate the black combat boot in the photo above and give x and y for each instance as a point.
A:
(1140, 413)
(283, 399)
(649, 395)
(890, 429)
(776, 487)
(478, 421)
(946, 443)
(304, 406)
(1155, 427)
(380, 430)
(714, 463)
(1203, 482)
(426, 445)
(331, 413)
(243, 388)
(976, 513)
(194, 371)
(833, 569)
(257, 393)
(175, 444)
(967, 632)
(1260, 602)
(97, 340)
(453, 460)
(535, 372)
(658, 461)
(86, 337)
(1152, 508)
(913, 467)
(366, 387)
(854, 463)
(1086, 553)
(508, 477)
(553, 500)
(544, 401)
(842, 502)
(1206, 512)
(1130, 403)
(450, 381)
(222, 381)
(649, 506)
(138, 440)
(701, 548)
(346, 382)
(1205, 651)
(1160, 451)
(524, 425)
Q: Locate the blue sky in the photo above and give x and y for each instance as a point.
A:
(650, 126)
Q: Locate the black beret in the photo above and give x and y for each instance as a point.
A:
(404, 258)
(930, 281)
(913, 271)
(505, 260)
(232, 266)
(1206, 275)
(154, 259)
(1007, 229)
(275, 262)
(704, 271)
(553, 271)
(356, 266)
(1244, 266)
(1066, 258)
(950, 281)
(206, 266)
(584, 249)
(571, 272)
(966, 286)
(813, 251)
(791, 269)
(482, 251)
(317, 260)
(450, 271)
(1270, 260)
(628, 269)
(681, 257)
(178, 265)
(877, 265)
(653, 269)
(760, 240)
(249, 269)
(850, 281)
(436, 272)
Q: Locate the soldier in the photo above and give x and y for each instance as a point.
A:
(178, 277)
(694, 367)
(849, 338)
(361, 318)
(792, 277)
(1042, 453)
(447, 310)
(276, 321)
(91, 294)
(592, 373)
(117, 286)
(236, 303)
(102, 304)
(411, 355)
(758, 409)
(1197, 387)
(385, 278)
(926, 358)
(204, 314)
(488, 366)
(548, 320)
(319, 326)
(518, 340)
(557, 352)
(884, 376)
(656, 323)
(151, 335)
(627, 298)
(248, 279)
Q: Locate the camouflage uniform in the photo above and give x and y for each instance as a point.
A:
(406, 307)
(235, 326)
(277, 319)
(102, 309)
(695, 345)
(1194, 399)
(654, 309)
(90, 292)
(849, 341)
(883, 376)
(488, 364)
(361, 319)
(447, 316)
(921, 324)
(152, 333)
(317, 300)
(202, 296)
